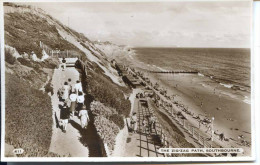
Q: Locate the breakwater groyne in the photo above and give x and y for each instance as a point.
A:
(175, 72)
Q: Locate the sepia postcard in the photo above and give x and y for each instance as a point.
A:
(127, 81)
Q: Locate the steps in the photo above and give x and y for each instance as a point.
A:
(148, 146)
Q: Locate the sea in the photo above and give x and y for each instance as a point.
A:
(229, 67)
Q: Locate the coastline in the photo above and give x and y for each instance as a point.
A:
(217, 101)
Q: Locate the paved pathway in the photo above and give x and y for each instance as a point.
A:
(66, 143)
(141, 144)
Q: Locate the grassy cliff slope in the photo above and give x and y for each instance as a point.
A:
(28, 108)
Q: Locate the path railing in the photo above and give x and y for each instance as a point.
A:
(193, 131)
(159, 129)
(58, 53)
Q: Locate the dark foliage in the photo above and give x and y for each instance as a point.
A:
(118, 120)
(28, 116)
(26, 62)
(48, 88)
(104, 90)
(50, 63)
(8, 57)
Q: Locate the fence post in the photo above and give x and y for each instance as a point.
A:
(165, 144)
(165, 141)
(162, 138)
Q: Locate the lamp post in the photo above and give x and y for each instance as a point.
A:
(212, 131)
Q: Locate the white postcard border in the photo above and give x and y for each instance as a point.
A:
(254, 104)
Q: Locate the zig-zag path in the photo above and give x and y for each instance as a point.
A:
(68, 143)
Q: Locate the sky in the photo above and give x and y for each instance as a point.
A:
(158, 24)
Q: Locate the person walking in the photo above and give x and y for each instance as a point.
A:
(221, 136)
(63, 65)
(60, 93)
(84, 118)
(151, 120)
(66, 89)
(70, 84)
(80, 100)
(133, 122)
(73, 98)
(78, 63)
(64, 117)
(78, 87)
(145, 124)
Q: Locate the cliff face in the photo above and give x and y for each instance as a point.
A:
(119, 52)
(27, 28)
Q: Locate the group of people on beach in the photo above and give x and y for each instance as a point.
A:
(73, 100)
(205, 121)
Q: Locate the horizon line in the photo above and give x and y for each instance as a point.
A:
(190, 47)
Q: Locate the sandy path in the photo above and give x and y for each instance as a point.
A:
(65, 143)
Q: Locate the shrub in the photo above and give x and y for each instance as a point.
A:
(25, 62)
(51, 63)
(110, 94)
(107, 122)
(103, 89)
(9, 57)
(118, 120)
(107, 130)
(36, 78)
(28, 117)
(48, 88)
(37, 67)
(98, 109)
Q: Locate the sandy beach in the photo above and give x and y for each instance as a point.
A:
(206, 99)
